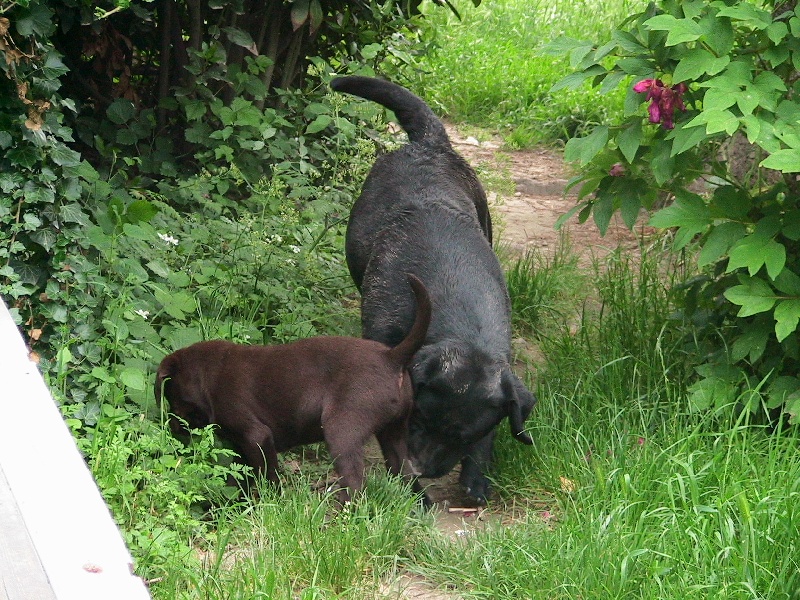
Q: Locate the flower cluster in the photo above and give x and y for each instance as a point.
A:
(663, 100)
(168, 239)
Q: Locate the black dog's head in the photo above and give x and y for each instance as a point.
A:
(460, 397)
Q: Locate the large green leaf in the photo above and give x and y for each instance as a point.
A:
(717, 120)
(575, 80)
(241, 38)
(602, 211)
(719, 241)
(696, 62)
(787, 315)
(64, 157)
(754, 17)
(711, 392)
(752, 343)
(23, 156)
(754, 296)
(135, 379)
(688, 213)
(781, 390)
(300, 12)
(786, 161)
(756, 251)
(120, 111)
(679, 31)
(33, 20)
(685, 137)
(586, 148)
(46, 238)
(630, 139)
(318, 124)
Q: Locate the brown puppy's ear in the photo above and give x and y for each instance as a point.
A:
(163, 374)
(519, 404)
(182, 386)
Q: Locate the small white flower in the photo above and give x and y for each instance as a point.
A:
(143, 313)
(168, 238)
(295, 249)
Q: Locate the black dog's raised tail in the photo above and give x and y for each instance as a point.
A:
(405, 350)
(416, 117)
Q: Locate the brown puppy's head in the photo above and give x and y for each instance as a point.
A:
(182, 388)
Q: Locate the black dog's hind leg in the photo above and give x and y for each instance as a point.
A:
(474, 465)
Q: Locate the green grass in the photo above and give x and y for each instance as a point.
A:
(625, 493)
(647, 500)
(687, 514)
(541, 287)
(490, 71)
(296, 543)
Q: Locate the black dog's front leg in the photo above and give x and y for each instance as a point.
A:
(473, 466)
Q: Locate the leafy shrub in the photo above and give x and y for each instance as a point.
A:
(160, 489)
(722, 146)
(144, 242)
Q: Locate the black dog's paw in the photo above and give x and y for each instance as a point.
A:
(424, 500)
(477, 487)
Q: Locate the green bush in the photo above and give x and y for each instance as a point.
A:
(144, 242)
(722, 147)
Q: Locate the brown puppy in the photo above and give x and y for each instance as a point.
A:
(267, 399)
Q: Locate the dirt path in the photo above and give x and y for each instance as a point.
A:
(525, 218)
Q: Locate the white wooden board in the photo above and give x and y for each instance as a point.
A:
(50, 491)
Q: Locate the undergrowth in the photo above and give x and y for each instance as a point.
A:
(626, 491)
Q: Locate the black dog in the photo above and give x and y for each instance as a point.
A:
(422, 210)
(267, 399)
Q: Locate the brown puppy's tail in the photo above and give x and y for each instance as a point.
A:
(405, 350)
(416, 117)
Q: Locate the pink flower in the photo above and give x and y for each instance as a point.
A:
(617, 170)
(644, 85)
(641, 441)
(663, 100)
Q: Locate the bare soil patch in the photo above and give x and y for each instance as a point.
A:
(525, 219)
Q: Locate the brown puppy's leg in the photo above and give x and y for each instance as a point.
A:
(346, 446)
(395, 450)
(258, 449)
(394, 446)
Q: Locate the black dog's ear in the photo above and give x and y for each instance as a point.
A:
(425, 366)
(434, 365)
(519, 403)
